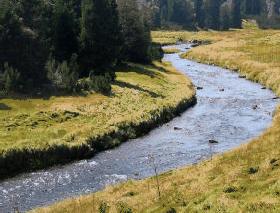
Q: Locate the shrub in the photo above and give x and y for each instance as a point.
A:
(253, 170)
(171, 210)
(123, 208)
(155, 52)
(101, 83)
(10, 78)
(63, 75)
(104, 207)
(230, 189)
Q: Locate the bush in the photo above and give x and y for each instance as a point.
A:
(104, 207)
(253, 170)
(63, 75)
(101, 83)
(155, 52)
(230, 189)
(10, 78)
(123, 208)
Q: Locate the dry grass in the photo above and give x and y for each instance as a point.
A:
(244, 180)
(141, 95)
(170, 50)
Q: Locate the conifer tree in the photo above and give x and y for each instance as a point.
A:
(236, 14)
(212, 14)
(199, 13)
(65, 42)
(225, 17)
(135, 32)
(100, 35)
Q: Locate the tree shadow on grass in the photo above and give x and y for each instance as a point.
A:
(4, 107)
(44, 94)
(131, 86)
(145, 70)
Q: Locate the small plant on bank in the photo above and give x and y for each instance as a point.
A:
(154, 166)
(253, 170)
(123, 208)
(101, 83)
(230, 189)
(104, 207)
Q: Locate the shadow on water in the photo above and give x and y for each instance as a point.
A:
(4, 107)
(131, 86)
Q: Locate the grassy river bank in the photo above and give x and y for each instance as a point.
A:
(37, 133)
(243, 180)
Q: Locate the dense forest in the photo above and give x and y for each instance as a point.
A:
(69, 45)
(75, 45)
(212, 14)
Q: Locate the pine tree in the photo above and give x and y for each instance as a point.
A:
(65, 42)
(100, 35)
(183, 13)
(236, 14)
(18, 43)
(135, 32)
(199, 13)
(212, 13)
(252, 7)
(224, 17)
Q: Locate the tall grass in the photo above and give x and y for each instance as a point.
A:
(243, 180)
(37, 133)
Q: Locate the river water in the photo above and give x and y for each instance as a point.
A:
(230, 110)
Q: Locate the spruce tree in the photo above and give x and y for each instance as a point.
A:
(252, 7)
(212, 13)
(236, 14)
(225, 17)
(100, 35)
(135, 32)
(199, 13)
(18, 43)
(65, 42)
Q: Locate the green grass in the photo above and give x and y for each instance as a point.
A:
(243, 180)
(36, 133)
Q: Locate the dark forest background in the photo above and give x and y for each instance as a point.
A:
(212, 14)
(76, 45)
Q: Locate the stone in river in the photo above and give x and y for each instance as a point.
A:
(213, 142)
(177, 128)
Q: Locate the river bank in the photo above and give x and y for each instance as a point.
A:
(37, 133)
(227, 113)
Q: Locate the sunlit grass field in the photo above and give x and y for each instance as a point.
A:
(35, 133)
(246, 179)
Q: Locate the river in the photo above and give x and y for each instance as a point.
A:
(230, 110)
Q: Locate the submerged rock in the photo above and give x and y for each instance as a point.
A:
(213, 142)
(255, 107)
(177, 128)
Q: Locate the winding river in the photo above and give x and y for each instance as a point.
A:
(230, 110)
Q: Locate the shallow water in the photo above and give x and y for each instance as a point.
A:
(224, 112)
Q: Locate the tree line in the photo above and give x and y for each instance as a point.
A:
(69, 45)
(212, 14)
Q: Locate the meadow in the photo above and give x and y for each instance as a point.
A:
(36, 133)
(243, 180)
